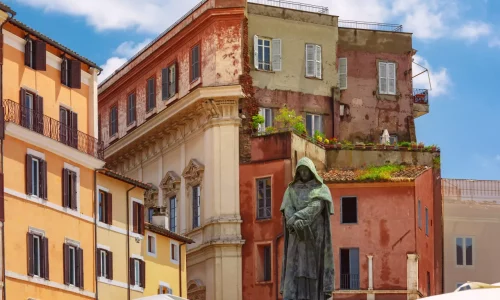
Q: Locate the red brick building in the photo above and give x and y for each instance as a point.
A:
(386, 233)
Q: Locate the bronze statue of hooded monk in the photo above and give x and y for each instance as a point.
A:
(308, 268)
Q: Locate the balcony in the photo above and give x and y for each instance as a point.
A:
(53, 129)
(293, 5)
(349, 281)
(420, 102)
(370, 26)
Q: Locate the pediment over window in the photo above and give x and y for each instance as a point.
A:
(151, 196)
(171, 183)
(193, 173)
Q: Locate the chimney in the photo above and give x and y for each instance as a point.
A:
(160, 218)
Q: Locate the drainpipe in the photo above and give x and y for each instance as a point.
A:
(180, 269)
(333, 113)
(128, 241)
(276, 239)
(4, 292)
(95, 232)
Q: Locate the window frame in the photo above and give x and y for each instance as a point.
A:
(343, 71)
(35, 176)
(342, 210)
(196, 218)
(154, 244)
(266, 200)
(169, 86)
(174, 255)
(426, 221)
(165, 286)
(419, 214)
(150, 95)
(72, 275)
(262, 63)
(137, 216)
(137, 272)
(103, 257)
(349, 274)
(101, 204)
(386, 64)
(267, 123)
(192, 74)
(464, 251)
(313, 126)
(172, 215)
(317, 61)
(40, 267)
(131, 109)
(113, 130)
(40, 175)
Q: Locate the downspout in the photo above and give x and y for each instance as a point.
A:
(95, 232)
(333, 113)
(128, 241)
(4, 292)
(276, 239)
(180, 269)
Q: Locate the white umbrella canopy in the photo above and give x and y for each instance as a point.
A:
(482, 294)
(162, 297)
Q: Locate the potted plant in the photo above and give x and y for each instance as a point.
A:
(405, 146)
(257, 121)
(359, 145)
(421, 146)
(369, 146)
(389, 146)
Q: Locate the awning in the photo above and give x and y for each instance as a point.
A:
(162, 297)
(482, 294)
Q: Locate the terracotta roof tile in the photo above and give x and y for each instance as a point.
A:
(374, 174)
(119, 176)
(168, 233)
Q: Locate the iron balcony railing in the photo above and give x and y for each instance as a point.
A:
(293, 5)
(370, 25)
(51, 128)
(421, 96)
(349, 281)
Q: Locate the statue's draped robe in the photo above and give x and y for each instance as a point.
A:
(308, 268)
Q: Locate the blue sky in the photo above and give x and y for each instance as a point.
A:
(457, 40)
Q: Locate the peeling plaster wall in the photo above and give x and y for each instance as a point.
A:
(370, 112)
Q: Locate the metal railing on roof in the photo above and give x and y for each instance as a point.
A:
(293, 5)
(370, 25)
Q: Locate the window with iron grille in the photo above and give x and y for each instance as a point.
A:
(263, 198)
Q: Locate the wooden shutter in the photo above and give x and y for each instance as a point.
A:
(43, 179)
(66, 263)
(29, 171)
(23, 111)
(134, 216)
(29, 238)
(2, 199)
(74, 128)
(109, 265)
(74, 204)
(276, 54)
(131, 270)
(343, 73)
(109, 208)
(318, 61)
(164, 83)
(256, 52)
(38, 114)
(2, 120)
(75, 74)
(45, 255)
(140, 218)
(65, 184)
(391, 78)
(382, 75)
(80, 268)
(64, 70)
(176, 78)
(27, 52)
(142, 265)
(63, 125)
(40, 57)
(310, 60)
(98, 262)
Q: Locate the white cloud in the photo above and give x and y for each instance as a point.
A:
(152, 16)
(123, 52)
(494, 43)
(440, 81)
(473, 30)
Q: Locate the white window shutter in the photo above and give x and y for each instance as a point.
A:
(318, 61)
(343, 73)
(310, 60)
(391, 78)
(382, 73)
(256, 52)
(276, 54)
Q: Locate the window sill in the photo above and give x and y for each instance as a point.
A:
(152, 254)
(171, 99)
(150, 113)
(113, 138)
(313, 77)
(262, 220)
(195, 83)
(131, 126)
(137, 288)
(265, 71)
(264, 282)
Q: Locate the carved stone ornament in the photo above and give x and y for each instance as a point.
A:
(151, 196)
(196, 290)
(193, 173)
(170, 184)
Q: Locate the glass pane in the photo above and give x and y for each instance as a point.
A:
(36, 255)
(72, 262)
(309, 124)
(267, 55)
(460, 257)
(468, 251)
(317, 123)
(137, 273)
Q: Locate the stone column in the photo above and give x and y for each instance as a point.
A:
(370, 272)
(412, 276)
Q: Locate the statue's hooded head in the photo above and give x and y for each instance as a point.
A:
(306, 171)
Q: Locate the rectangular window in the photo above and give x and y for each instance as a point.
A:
(102, 206)
(29, 59)
(105, 209)
(73, 265)
(426, 221)
(428, 284)
(68, 128)
(349, 269)
(151, 245)
(263, 198)
(314, 123)
(168, 82)
(349, 210)
(151, 211)
(267, 114)
(150, 94)
(35, 55)
(28, 108)
(36, 176)
(387, 78)
(196, 207)
(267, 54)
(104, 263)
(263, 263)
(419, 215)
(70, 189)
(31, 111)
(137, 272)
(163, 290)
(138, 217)
(131, 109)
(113, 120)
(174, 252)
(71, 73)
(313, 61)
(38, 255)
(343, 73)
(195, 63)
(464, 246)
(172, 213)
(267, 263)
(264, 50)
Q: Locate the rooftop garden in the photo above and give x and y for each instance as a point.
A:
(288, 121)
(386, 173)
